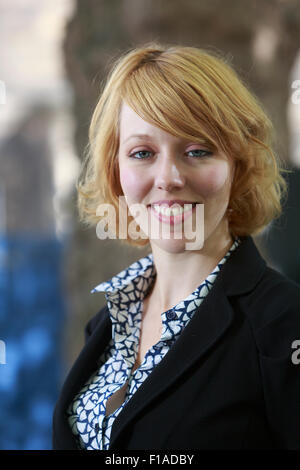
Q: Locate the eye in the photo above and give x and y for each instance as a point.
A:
(198, 153)
(141, 154)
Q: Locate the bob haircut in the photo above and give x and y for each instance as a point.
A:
(193, 94)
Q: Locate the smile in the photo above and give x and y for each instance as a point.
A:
(172, 215)
(160, 209)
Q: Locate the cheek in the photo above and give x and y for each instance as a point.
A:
(214, 180)
(132, 183)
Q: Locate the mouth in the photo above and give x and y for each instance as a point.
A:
(172, 214)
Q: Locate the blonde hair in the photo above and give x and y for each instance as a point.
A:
(190, 93)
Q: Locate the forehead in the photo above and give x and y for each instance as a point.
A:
(130, 121)
(131, 125)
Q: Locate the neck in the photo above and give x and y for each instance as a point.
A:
(179, 274)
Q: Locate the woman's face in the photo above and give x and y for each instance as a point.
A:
(156, 166)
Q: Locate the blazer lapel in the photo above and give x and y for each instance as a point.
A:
(209, 323)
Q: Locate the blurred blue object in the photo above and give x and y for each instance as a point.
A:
(31, 323)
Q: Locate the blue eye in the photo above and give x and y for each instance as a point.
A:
(146, 154)
(142, 154)
(200, 153)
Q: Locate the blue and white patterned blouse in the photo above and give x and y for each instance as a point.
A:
(124, 294)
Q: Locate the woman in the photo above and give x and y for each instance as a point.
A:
(195, 348)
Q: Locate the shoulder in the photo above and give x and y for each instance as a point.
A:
(273, 310)
(272, 294)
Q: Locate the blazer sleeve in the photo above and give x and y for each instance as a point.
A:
(280, 371)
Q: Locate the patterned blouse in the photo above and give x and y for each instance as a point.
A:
(124, 294)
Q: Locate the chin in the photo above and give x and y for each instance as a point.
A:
(172, 245)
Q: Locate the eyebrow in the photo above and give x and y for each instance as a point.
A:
(201, 141)
(138, 136)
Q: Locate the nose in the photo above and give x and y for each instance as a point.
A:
(169, 175)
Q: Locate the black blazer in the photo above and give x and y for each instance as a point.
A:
(228, 382)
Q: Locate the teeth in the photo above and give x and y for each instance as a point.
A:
(169, 211)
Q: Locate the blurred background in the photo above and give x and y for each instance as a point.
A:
(53, 57)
